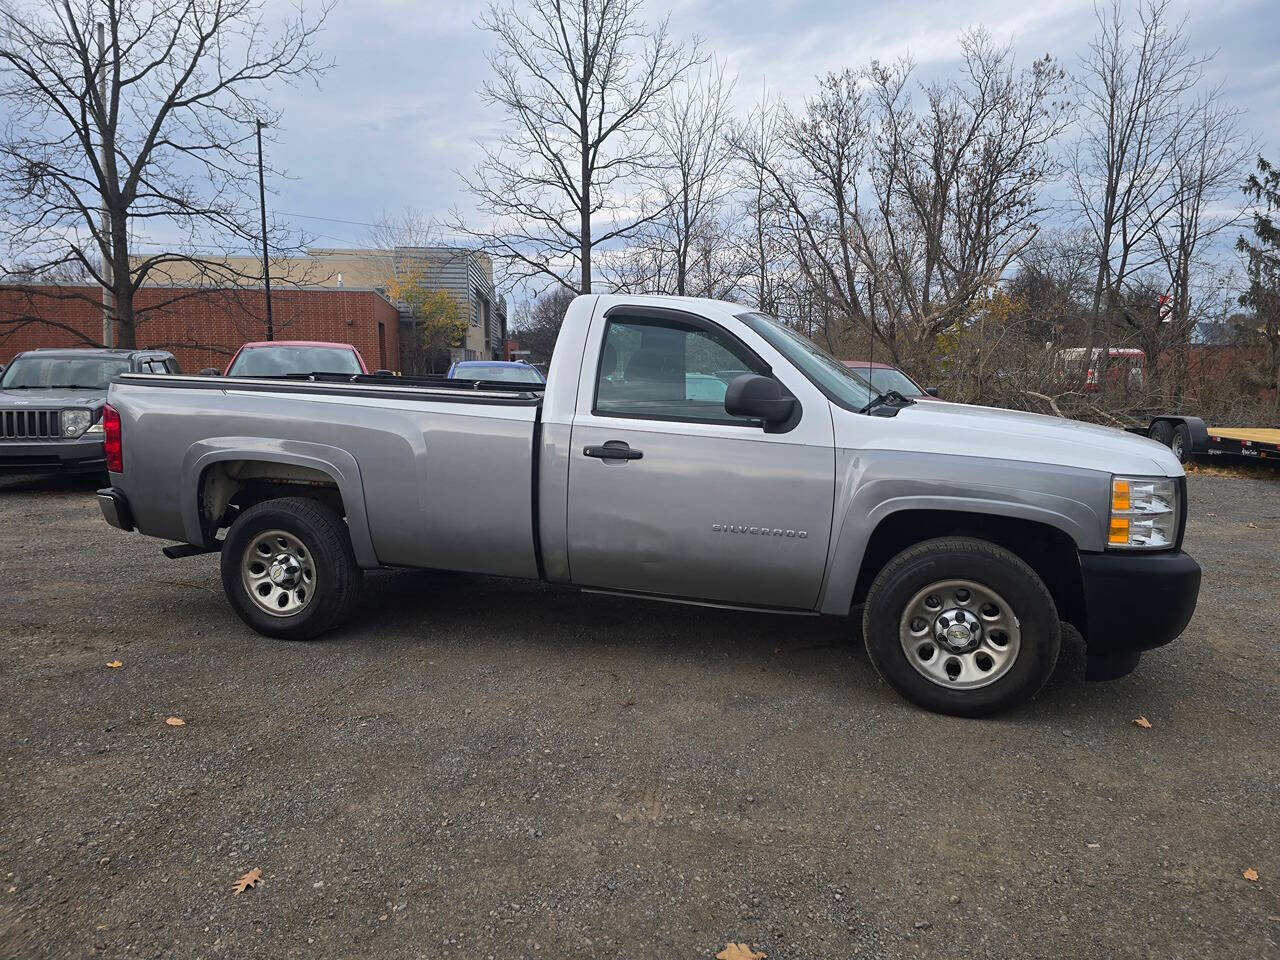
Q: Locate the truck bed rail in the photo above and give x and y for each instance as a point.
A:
(436, 389)
(435, 380)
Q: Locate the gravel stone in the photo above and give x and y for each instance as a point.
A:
(407, 758)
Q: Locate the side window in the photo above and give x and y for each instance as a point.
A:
(171, 366)
(668, 371)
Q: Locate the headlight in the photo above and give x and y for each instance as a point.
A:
(75, 422)
(1144, 513)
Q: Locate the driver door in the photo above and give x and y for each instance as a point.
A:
(670, 495)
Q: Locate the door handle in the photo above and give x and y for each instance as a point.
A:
(613, 450)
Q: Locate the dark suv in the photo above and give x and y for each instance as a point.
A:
(51, 405)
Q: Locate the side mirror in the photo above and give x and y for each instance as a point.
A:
(931, 391)
(210, 372)
(759, 398)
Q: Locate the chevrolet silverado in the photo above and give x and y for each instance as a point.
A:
(964, 536)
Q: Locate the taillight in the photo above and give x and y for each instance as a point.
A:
(112, 440)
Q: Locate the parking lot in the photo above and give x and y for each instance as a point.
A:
(484, 768)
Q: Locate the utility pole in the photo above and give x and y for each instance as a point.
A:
(108, 273)
(262, 201)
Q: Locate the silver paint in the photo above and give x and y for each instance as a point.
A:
(430, 482)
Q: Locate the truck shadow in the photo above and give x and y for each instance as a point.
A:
(516, 618)
(85, 483)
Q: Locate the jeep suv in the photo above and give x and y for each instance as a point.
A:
(51, 405)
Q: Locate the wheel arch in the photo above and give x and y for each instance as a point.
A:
(1044, 540)
(240, 471)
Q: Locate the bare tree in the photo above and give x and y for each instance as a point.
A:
(756, 144)
(683, 246)
(1131, 93)
(409, 227)
(407, 243)
(148, 129)
(958, 181)
(811, 179)
(1208, 157)
(579, 82)
(902, 217)
(537, 323)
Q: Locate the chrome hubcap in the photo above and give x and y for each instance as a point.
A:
(960, 634)
(278, 573)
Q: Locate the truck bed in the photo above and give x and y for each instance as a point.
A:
(437, 474)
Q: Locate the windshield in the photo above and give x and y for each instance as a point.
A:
(840, 384)
(283, 360)
(45, 373)
(497, 371)
(885, 379)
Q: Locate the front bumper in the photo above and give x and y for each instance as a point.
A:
(115, 508)
(1136, 601)
(46, 456)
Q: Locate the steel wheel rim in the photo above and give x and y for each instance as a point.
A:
(960, 634)
(278, 573)
(1176, 445)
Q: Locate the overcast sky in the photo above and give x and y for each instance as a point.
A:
(399, 114)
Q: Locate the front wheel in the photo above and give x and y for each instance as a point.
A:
(961, 626)
(289, 570)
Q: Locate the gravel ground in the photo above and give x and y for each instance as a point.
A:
(484, 768)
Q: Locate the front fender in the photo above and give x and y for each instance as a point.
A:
(872, 485)
(332, 461)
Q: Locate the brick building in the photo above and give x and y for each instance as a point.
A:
(466, 275)
(203, 328)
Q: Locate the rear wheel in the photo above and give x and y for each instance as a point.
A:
(289, 570)
(961, 626)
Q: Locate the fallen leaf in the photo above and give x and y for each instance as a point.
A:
(1143, 722)
(1252, 526)
(250, 879)
(1251, 875)
(739, 951)
(114, 663)
(176, 722)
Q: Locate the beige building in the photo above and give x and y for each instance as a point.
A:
(466, 274)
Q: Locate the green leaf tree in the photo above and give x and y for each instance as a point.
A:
(441, 322)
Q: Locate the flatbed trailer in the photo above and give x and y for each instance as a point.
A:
(1190, 437)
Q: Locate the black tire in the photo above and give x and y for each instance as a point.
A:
(981, 563)
(335, 587)
(1181, 445)
(1162, 432)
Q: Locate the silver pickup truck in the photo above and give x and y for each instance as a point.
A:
(685, 450)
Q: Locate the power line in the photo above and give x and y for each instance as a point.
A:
(311, 216)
